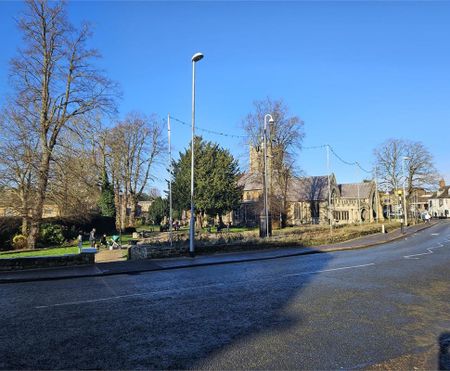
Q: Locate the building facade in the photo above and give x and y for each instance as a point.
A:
(439, 202)
(309, 200)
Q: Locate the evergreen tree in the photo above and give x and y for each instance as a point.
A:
(106, 202)
(158, 210)
(215, 181)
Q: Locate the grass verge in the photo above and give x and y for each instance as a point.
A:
(56, 251)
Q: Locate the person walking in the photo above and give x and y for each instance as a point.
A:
(80, 240)
(92, 237)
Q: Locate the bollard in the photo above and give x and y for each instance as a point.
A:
(382, 228)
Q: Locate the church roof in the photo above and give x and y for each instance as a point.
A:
(311, 188)
(251, 181)
(350, 190)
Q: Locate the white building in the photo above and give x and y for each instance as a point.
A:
(439, 202)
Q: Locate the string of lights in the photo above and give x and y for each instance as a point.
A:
(354, 163)
(207, 130)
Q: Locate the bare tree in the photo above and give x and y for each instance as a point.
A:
(408, 163)
(388, 158)
(285, 140)
(135, 146)
(56, 82)
(419, 167)
(17, 163)
(74, 183)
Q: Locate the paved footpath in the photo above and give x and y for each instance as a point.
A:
(136, 266)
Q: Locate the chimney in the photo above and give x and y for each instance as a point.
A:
(442, 184)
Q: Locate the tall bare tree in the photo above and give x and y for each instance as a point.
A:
(17, 163)
(135, 146)
(56, 83)
(388, 160)
(405, 163)
(420, 171)
(284, 143)
(417, 170)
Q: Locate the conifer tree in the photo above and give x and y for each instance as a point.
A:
(215, 181)
(106, 202)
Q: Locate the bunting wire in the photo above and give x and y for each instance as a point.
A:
(354, 163)
(207, 130)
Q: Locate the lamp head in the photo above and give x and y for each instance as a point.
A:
(196, 57)
(271, 121)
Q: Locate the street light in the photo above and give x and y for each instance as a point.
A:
(266, 209)
(195, 58)
(404, 193)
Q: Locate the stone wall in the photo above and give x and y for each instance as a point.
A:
(46, 261)
(154, 252)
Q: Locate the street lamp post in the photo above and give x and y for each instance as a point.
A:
(405, 210)
(170, 180)
(266, 202)
(195, 58)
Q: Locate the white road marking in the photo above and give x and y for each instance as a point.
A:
(88, 301)
(429, 251)
(116, 297)
(329, 270)
(127, 296)
(435, 234)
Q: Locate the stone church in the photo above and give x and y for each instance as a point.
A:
(308, 200)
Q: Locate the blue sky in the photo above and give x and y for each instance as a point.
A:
(357, 73)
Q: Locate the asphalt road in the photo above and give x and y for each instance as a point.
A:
(386, 306)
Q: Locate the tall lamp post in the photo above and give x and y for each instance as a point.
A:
(170, 179)
(195, 58)
(405, 210)
(266, 201)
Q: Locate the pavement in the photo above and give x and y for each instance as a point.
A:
(108, 268)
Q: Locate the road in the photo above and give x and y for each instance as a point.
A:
(386, 306)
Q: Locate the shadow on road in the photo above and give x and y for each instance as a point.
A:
(160, 320)
(444, 351)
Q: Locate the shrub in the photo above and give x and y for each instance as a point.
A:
(129, 230)
(19, 242)
(9, 226)
(72, 225)
(51, 235)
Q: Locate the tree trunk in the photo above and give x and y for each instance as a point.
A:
(24, 228)
(199, 221)
(24, 212)
(123, 212)
(133, 208)
(36, 216)
(117, 203)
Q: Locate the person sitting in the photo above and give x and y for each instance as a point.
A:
(103, 241)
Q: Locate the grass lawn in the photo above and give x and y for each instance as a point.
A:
(56, 251)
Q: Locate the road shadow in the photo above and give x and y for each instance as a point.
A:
(160, 320)
(444, 351)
